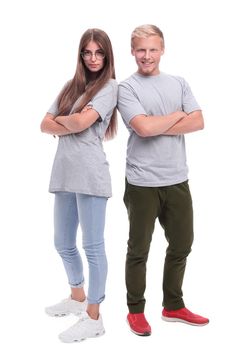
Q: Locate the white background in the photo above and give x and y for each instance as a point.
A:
(39, 44)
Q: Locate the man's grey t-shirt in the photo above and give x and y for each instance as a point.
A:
(158, 160)
(80, 163)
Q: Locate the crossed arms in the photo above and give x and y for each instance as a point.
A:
(176, 123)
(65, 125)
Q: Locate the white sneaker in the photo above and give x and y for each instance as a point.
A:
(66, 307)
(86, 327)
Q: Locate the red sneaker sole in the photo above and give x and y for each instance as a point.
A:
(173, 319)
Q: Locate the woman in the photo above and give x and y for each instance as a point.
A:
(82, 116)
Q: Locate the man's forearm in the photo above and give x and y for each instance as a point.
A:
(191, 123)
(147, 126)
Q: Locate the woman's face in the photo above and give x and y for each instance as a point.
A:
(93, 57)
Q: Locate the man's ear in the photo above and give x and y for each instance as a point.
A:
(132, 51)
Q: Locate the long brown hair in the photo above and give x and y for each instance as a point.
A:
(82, 85)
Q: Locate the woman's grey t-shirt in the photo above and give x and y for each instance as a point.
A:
(158, 160)
(80, 163)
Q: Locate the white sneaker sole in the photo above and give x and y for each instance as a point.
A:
(57, 314)
(63, 314)
(173, 319)
(77, 340)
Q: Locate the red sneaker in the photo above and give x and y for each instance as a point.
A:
(138, 324)
(185, 316)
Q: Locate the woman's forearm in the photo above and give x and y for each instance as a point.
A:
(50, 126)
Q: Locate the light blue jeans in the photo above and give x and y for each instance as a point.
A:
(70, 209)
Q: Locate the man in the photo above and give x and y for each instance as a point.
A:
(158, 109)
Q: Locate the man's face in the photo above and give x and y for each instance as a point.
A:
(147, 53)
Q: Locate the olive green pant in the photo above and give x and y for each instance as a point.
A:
(172, 205)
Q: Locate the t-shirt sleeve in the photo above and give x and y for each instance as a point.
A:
(105, 100)
(128, 104)
(189, 103)
(54, 107)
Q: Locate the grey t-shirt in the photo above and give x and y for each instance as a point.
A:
(80, 163)
(158, 160)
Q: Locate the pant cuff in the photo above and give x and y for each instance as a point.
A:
(175, 306)
(136, 309)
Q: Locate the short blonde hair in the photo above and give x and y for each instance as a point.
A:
(146, 30)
